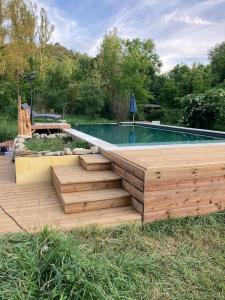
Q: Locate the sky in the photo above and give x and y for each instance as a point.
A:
(183, 30)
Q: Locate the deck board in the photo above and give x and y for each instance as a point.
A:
(174, 157)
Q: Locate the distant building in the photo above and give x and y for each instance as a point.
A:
(150, 107)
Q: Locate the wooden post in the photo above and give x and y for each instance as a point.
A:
(19, 117)
(24, 122)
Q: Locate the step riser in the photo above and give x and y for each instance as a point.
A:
(90, 186)
(95, 167)
(88, 206)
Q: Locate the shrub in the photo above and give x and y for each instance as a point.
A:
(203, 110)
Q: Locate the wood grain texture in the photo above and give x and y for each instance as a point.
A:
(50, 126)
(180, 181)
(37, 205)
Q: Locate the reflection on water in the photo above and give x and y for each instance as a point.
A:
(128, 135)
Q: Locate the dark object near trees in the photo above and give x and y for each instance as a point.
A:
(40, 115)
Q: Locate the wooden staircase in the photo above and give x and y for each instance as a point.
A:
(93, 186)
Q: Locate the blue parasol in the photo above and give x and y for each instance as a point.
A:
(133, 106)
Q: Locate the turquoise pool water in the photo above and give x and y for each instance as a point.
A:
(137, 135)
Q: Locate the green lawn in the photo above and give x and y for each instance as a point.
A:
(86, 120)
(177, 259)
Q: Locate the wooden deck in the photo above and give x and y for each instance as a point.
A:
(50, 126)
(33, 206)
(173, 182)
(163, 183)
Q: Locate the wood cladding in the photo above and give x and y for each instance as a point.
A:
(178, 182)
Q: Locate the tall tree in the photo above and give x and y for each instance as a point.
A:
(45, 31)
(22, 33)
(217, 60)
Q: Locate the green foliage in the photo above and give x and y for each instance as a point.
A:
(165, 115)
(127, 67)
(203, 110)
(56, 87)
(217, 60)
(86, 91)
(56, 144)
(183, 80)
(8, 128)
(126, 262)
(101, 86)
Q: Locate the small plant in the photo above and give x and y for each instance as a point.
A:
(56, 144)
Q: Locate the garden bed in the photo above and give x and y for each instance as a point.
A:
(57, 144)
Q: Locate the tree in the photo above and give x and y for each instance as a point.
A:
(44, 33)
(21, 38)
(127, 67)
(217, 61)
(86, 91)
(57, 88)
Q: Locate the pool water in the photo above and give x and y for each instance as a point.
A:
(138, 135)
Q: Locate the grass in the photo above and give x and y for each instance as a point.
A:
(176, 259)
(86, 120)
(8, 128)
(55, 144)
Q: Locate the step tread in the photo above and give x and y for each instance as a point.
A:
(91, 196)
(77, 174)
(105, 217)
(90, 159)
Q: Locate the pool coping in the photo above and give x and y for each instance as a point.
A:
(111, 147)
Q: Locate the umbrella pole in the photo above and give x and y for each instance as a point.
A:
(133, 118)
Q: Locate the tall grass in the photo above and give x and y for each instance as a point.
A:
(8, 128)
(177, 259)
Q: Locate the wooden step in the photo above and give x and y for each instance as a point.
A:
(105, 217)
(67, 179)
(92, 200)
(95, 162)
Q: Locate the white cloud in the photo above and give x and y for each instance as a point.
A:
(182, 31)
(177, 16)
(67, 31)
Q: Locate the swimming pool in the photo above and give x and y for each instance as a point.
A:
(140, 134)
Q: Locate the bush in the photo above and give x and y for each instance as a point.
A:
(203, 110)
(169, 116)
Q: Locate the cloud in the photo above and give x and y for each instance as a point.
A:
(176, 16)
(67, 30)
(182, 30)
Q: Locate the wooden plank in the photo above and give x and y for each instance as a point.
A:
(87, 186)
(96, 205)
(91, 159)
(138, 206)
(95, 167)
(50, 126)
(133, 180)
(132, 190)
(218, 200)
(93, 196)
(185, 193)
(173, 157)
(180, 212)
(127, 165)
(77, 174)
(181, 183)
